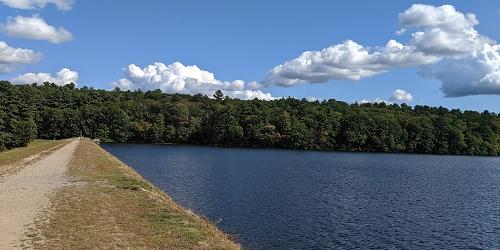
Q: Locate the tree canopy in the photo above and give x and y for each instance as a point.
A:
(50, 111)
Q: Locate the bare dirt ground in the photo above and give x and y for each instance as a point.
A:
(26, 193)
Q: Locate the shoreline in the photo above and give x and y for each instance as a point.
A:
(106, 204)
(163, 194)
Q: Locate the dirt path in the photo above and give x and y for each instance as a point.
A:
(24, 194)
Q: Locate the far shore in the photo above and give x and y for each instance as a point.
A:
(295, 149)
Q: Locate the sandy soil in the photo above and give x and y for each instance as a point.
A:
(24, 194)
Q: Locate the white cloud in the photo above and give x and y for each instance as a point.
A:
(63, 77)
(400, 32)
(178, 78)
(311, 99)
(35, 4)
(471, 61)
(440, 34)
(400, 95)
(443, 30)
(35, 28)
(346, 61)
(476, 74)
(11, 58)
(376, 100)
(248, 94)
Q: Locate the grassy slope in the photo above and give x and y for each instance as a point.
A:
(114, 207)
(18, 155)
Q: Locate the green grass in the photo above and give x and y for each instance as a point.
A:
(114, 207)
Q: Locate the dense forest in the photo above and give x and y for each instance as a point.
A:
(54, 112)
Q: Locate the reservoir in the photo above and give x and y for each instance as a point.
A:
(290, 199)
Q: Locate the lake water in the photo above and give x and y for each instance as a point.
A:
(287, 199)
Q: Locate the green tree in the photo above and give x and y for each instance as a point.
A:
(218, 95)
(50, 111)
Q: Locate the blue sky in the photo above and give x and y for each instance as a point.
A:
(238, 41)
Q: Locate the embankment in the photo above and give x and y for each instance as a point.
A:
(110, 206)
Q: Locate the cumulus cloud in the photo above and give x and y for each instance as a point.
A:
(35, 4)
(63, 77)
(178, 78)
(11, 58)
(35, 28)
(475, 74)
(400, 95)
(442, 30)
(469, 62)
(346, 61)
(376, 100)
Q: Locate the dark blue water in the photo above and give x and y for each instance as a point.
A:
(285, 199)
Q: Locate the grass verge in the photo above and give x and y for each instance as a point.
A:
(113, 207)
(18, 157)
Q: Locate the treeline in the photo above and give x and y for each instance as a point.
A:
(49, 111)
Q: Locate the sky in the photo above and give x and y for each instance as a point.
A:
(433, 53)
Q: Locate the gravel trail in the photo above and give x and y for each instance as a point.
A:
(24, 194)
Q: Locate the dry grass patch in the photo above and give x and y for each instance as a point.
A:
(18, 157)
(116, 208)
